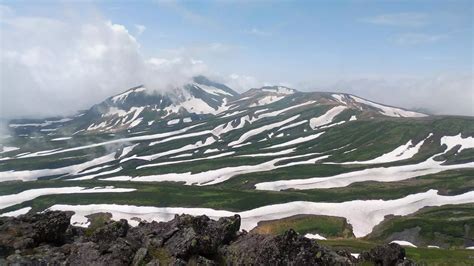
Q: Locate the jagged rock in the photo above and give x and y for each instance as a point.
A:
(186, 235)
(288, 249)
(389, 254)
(48, 239)
(28, 231)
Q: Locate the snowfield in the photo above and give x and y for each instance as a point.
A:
(453, 141)
(326, 118)
(30, 175)
(364, 214)
(16, 212)
(216, 176)
(380, 174)
(13, 199)
(261, 129)
(403, 152)
(388, 111)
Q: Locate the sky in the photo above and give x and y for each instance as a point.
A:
(61, 56)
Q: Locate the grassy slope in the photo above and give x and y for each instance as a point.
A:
(371, 138)
(422, 256)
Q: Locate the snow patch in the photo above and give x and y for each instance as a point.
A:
(16, 213)
(403, 243)
(315, 236)
(388, 111)
(326, 118)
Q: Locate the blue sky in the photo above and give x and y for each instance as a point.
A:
(326, 37)
(372, 48)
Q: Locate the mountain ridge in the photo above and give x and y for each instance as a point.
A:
(139, 106)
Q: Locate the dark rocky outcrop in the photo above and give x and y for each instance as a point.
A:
(48, 239)
(389, 254)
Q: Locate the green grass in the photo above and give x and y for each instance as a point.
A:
(448, 226)
(218, 197)
(421, 256)
(328, 226)
(371, 137)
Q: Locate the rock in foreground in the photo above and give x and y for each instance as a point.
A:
(48, 239)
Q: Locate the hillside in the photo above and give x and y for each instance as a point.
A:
(278, 157)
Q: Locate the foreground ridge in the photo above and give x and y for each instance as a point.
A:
(49, 239)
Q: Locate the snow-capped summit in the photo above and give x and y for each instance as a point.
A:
(141, 107)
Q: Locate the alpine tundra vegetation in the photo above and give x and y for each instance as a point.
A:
(331, 166)
(256, 132)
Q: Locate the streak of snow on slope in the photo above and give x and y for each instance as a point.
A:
(216, 176)
(277, 112)
(94, 126)
(292, 125)
(380, 174)
(197, 145)
(364, 214)
(182, 155)
(197, 106)
(452, 141)
(210, 151)
(212, 90)
(8, 149)
(241, 145)
(123, 96)
(261, 129)
(388, 111)
(403, 152)
(327, 117)
(339, 98)
(333, 125)
(269, 154)
(16, 213)
(173, 122)
(315, 236)
(88, 177)
(296, 141)
(31, 175)
(128, 139)
(183, 136)
(233, 113)
(127, 150)
(224, 154)
(26, 195)
(63, 138)
(261, 110)
(403, 243)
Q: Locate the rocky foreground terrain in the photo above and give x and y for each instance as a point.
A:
(49, 239)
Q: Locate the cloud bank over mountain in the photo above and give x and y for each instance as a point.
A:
(52, 66)
(56, 66)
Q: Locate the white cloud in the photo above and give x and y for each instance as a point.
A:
(406, 19)
(140, 29)
(241, 83)
(418, 38)
(55, 67)
(448, 93)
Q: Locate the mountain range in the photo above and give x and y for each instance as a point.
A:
(329, 165)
